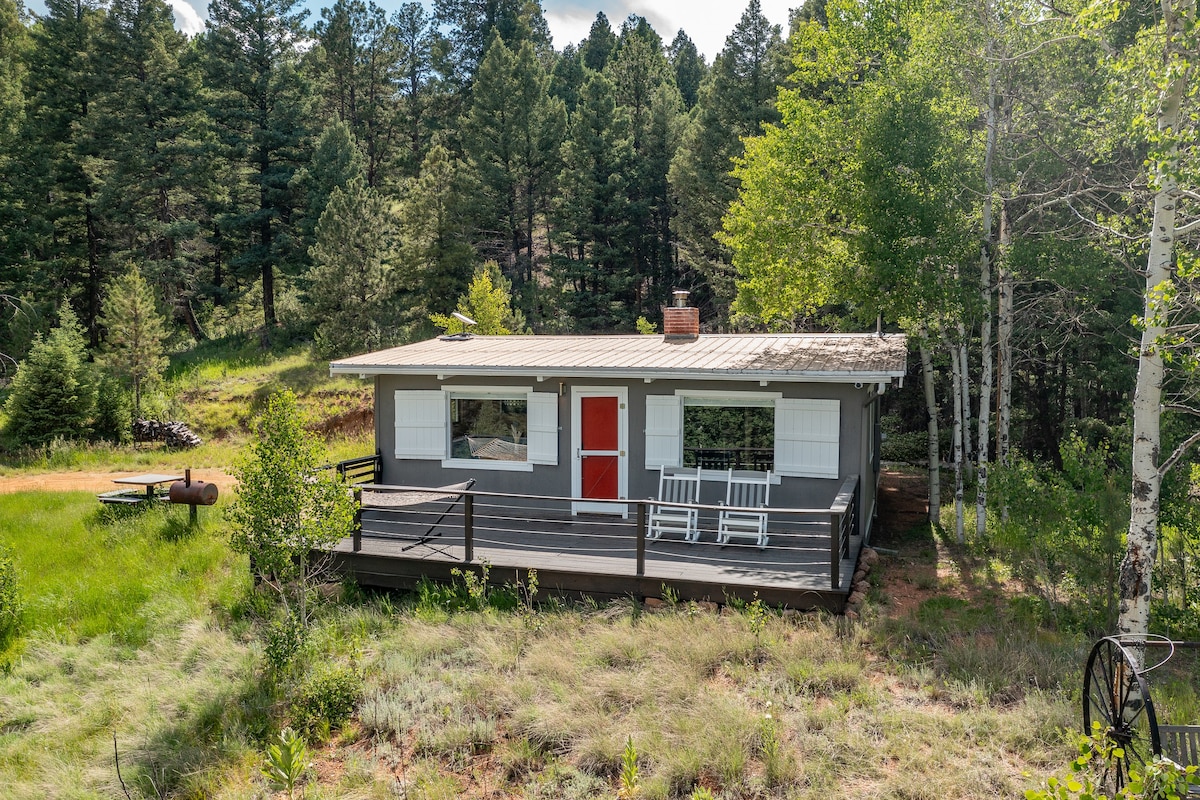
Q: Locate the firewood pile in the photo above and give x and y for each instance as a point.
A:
(172, 434)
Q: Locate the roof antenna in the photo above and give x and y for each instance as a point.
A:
(466, 321)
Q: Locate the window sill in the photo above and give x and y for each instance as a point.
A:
(485, 464)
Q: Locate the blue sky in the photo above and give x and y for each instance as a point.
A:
(708, 22)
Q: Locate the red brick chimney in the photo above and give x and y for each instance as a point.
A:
(681, 322)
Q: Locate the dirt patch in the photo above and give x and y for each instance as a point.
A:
(95, 481)
(914, 574)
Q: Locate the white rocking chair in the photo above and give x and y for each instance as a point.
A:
(745, 492)
(677, 487)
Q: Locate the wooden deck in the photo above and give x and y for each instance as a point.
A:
(411, 532)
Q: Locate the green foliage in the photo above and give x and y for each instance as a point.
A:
(136, 334)
(646, 327)
(1160, 779)
(1063, 530)
(286, 762)
(286, 506)
(488, 302)
(53, 395)
(353, 281)
(631, 781)
(327, 699)
(12, 608)
(285, 638)
(114, 412)
(435, 241)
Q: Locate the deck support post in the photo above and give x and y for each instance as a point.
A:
(468, 526)
(357, 519)
(835, 551)
(641, 539)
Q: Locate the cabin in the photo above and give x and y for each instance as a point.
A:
(549, 452)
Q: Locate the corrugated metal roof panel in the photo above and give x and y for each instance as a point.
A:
(716, 356)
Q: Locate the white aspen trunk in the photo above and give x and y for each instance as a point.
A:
(965, 390)
(959, 436)
(986, 250)
(935, 449)
(1133, 583)
(1004, 333)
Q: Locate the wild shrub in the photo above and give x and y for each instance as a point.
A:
(1062, 531)
(327, 699)
(11, 607)
(284, 639)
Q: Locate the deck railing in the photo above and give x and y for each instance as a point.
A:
(435, 522)
(364, 469)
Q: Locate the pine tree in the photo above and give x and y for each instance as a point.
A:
(336, 161)
(424, 103)
(512, 136)
(567, 77)
(357, 70)
(261, 104)
(475, 24)
(62, 235)
(53, 394)
(599, 44)
(136, 334)
(15, 44)
(351, 281)
(645, 87)
(593, 231)
(435, 250)
(734, 101)
(150, 140)
(688, 66)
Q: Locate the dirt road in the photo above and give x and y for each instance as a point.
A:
(95, 481)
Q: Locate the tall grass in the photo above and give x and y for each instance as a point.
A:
(134, 629)
(120, 640)
(87, 570)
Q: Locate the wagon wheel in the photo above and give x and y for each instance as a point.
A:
(1115, 695)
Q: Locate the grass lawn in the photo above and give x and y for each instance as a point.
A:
(138, 628)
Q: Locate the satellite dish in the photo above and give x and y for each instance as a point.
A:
(463, 318)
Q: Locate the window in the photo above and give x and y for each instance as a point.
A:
(721, 436)
(489, 428)
(483, 427)
(744, 430)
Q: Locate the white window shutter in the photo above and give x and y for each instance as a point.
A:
(542, 419)
(807, 436)
(421, 430)
(664, 431)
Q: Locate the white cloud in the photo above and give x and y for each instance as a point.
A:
(705, 21)
(187, 19)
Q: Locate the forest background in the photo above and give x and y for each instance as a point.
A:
(981, 175)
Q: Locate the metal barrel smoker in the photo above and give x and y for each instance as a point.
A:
(192, 493)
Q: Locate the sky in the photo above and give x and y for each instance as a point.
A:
(708, 22)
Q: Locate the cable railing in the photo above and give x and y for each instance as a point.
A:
(458, 523)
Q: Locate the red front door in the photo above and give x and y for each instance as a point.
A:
(599, 447)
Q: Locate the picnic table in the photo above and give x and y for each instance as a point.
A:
(150, 482)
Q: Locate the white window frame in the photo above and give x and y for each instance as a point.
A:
(718, 398)
(484, 393)
(775, 400)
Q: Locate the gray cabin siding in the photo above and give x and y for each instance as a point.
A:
(857, 429)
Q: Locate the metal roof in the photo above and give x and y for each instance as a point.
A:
(833, 357)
